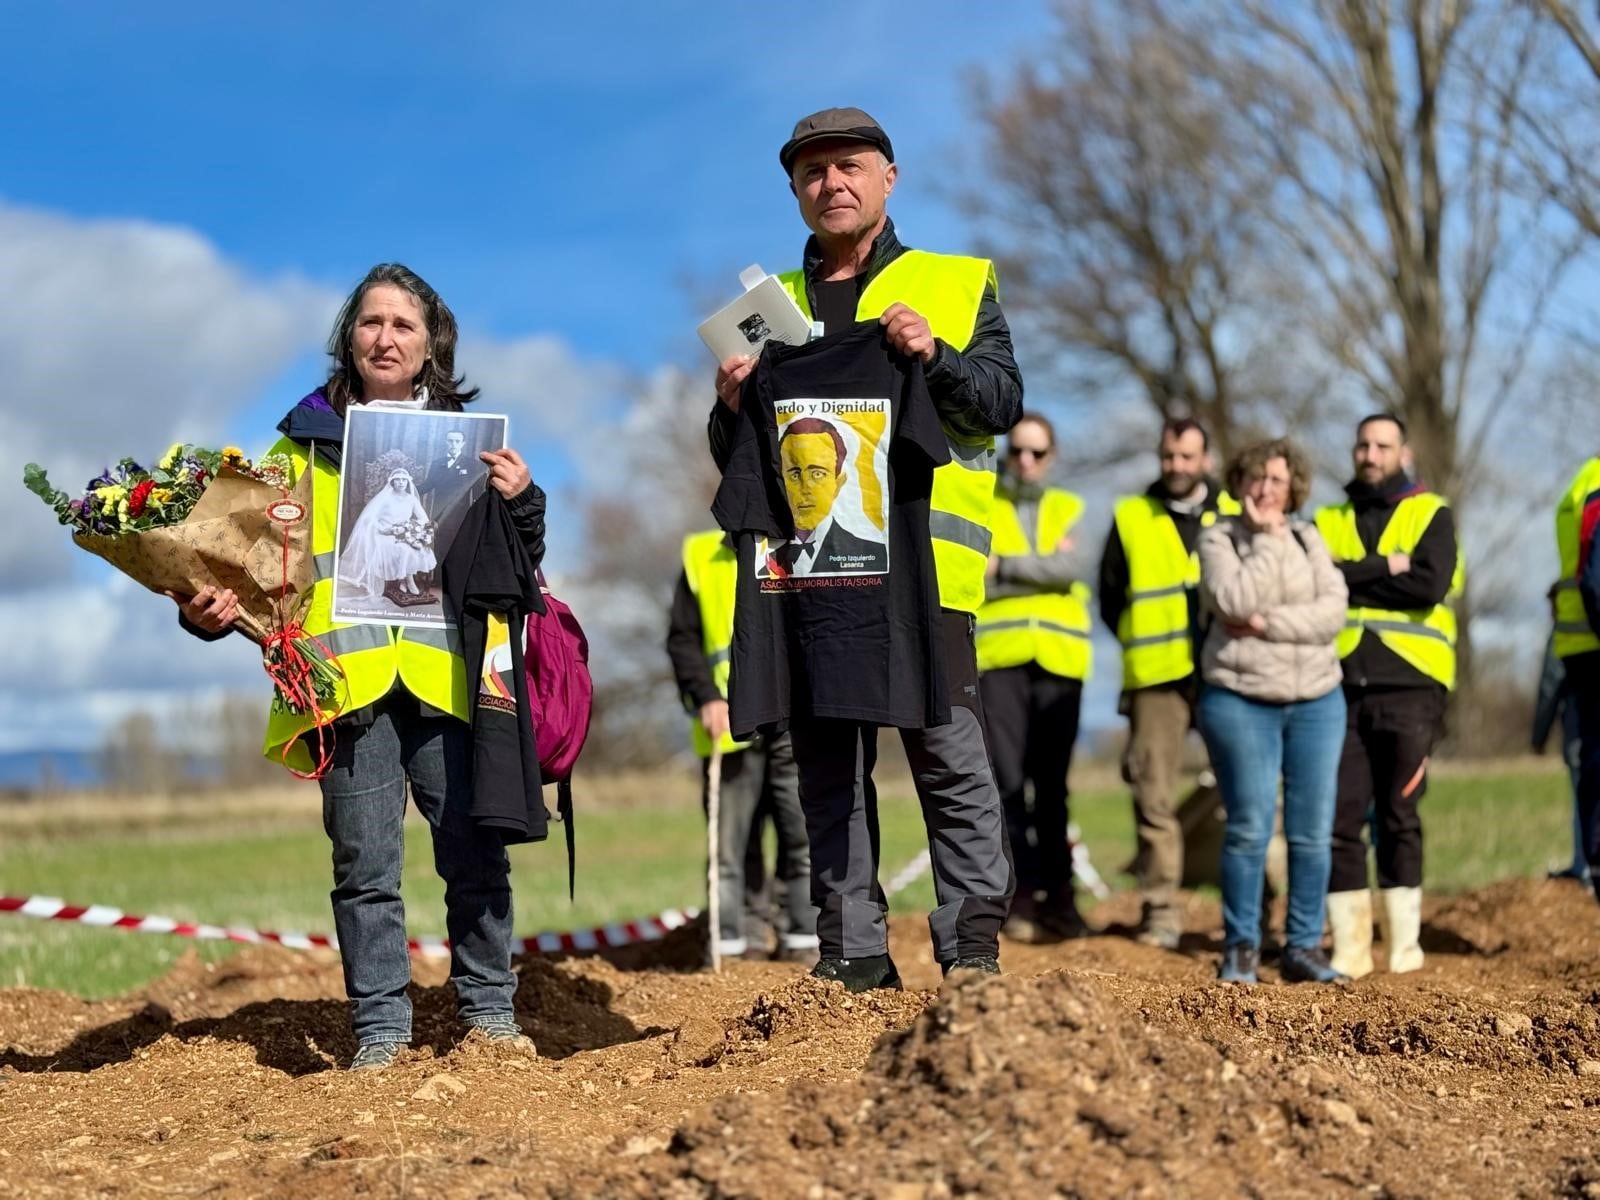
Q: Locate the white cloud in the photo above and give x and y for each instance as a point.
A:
(550, 394)
(118, 336)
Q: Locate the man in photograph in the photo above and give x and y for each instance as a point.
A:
(448, 488)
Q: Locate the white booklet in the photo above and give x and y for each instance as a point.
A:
(765, 313)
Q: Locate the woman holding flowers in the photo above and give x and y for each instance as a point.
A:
(400, 713)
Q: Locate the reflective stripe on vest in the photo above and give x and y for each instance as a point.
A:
(1157, 643)
(427, 661)
(947, 291)
(1426, 637)
(712, 571)
(1573, 634)
(1049, 628)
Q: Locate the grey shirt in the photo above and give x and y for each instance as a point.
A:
(1026, 574)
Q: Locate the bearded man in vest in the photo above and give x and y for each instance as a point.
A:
(1395, 543)
(945, 310)
(699, 639)
(1150, 597)
(1577, 644)
(1034, 655)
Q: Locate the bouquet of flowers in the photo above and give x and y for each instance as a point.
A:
(212, 517)
(415, 532)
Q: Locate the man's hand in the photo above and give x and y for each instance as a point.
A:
(994, 567)
(908, 332)
(508, 474)
(1399, 564)
(731, 374)
(1064, 546)
(714, 716)
(212, 609)
(1255, 625)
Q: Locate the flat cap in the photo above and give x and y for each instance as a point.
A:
(835, 124)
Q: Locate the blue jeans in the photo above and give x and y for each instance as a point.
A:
(363, 810)
(1252, 744)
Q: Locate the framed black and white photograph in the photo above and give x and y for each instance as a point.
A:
(407, 480)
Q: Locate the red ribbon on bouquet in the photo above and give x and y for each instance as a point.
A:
(291, 672)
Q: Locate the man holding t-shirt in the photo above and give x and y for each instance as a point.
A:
(942, 310)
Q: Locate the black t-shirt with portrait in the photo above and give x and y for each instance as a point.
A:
(846, 625)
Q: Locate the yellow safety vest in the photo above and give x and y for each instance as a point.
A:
(1573, 635)
(1157, 643)
(1424, 637)
(1049, 628)
(946, 290)
(427, 661)
(712, 570)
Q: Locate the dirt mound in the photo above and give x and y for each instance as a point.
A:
(1050, 1086)
(1097, 1068)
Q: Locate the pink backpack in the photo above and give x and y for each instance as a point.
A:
(560, 701)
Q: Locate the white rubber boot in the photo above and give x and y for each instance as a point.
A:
(1402, 910)
(1350, 917)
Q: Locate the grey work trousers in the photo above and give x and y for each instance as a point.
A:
(768, 765)
(972, 874)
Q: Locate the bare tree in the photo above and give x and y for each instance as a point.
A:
(1398, 195)
(1132, 234)
(1559, 122)
(658, 482)
(133, 758)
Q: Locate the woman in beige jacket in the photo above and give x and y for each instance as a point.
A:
(1272, 706)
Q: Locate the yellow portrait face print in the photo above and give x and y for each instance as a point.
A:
(811, 477)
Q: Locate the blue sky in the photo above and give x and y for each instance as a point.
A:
(186, 190)
(541, 165)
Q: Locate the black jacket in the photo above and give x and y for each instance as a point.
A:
(488, 572)
(686, 649)
(1427, 583)
(1114, 558)
(977, 391)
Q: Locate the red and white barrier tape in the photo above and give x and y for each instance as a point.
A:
(574, 941)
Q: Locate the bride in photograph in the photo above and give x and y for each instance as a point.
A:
(392, 542)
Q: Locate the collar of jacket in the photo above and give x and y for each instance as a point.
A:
(313, 422)
(1209, 504)
(886, 248)
(1386, 495)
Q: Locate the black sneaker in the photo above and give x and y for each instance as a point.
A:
(860, 974)
(970, 966)
(375, 1056)
(1308, 964)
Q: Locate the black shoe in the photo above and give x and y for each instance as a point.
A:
(859, 974)
(1064, 921)
(972, 964)
(1308, 964)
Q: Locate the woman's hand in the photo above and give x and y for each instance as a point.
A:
(1255, 625)
(508, 474)
(212, 609)
(1264, 520)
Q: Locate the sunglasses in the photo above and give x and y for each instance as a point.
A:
(1019, 451)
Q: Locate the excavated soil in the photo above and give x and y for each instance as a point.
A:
(1096, 1068)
